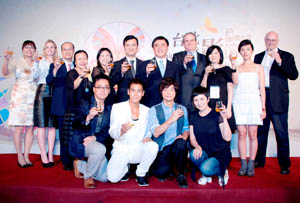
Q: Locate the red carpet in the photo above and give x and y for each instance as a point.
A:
(38, 184)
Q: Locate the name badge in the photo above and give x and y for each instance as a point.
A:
(214, 92)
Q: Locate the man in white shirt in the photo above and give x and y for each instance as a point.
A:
(127, 127)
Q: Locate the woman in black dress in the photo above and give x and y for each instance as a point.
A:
(104, 62)
(78, 87)
(210, 135)
(218, 79)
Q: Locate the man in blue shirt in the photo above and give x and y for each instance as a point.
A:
(168, 125)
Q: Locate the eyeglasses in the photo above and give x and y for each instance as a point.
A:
(102, 88)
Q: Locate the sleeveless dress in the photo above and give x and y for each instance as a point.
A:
(23, 93)
(246, 100)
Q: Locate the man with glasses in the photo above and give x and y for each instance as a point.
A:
(279, 66)
(91, 138)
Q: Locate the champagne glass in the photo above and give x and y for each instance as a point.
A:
(10, 52)
(219, 106)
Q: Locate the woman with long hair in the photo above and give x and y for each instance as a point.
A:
(42, 104)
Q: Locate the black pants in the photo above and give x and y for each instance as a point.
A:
(174, 154)
(65, 156)
(280, 124)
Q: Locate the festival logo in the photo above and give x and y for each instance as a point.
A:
(111, 36)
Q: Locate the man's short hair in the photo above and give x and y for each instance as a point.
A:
(160, 38)
(100, 77)
(66, 43)
(190, 33)
(136, 81)
(130, 37)
(167, 82)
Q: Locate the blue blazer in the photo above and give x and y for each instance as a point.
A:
(58, 104)
(81, 130)
(122, 82)
(279, 75)
(152, 81)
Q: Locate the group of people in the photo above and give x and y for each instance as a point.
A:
(151, 114)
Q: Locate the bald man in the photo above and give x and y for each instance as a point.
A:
(279, 66)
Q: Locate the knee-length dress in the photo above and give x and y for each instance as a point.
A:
(23, 93)
(246, 99)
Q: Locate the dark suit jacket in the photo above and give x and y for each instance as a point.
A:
(152, 95)
(279, 75)
(122, 82)
(58, 104)
(82, 131)
(189, 79)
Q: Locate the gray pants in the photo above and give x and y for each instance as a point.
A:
(95, 166)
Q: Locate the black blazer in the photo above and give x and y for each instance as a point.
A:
(152, 81)
(279, 75)
(58, 104)
(189, 79)
(122, 82)
(82, 131)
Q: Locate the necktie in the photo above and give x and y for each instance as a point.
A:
(162, 68)
(194, 65)
(132, 68)
(69, 67)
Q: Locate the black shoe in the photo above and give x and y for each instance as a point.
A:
(29, 164)
(258, 165)
(125, 177)
(160, 179)
(51, 164)
(22, 166)
(142, 181)
(68, 168)
(285, 171)
(46, 165)
(182, 181)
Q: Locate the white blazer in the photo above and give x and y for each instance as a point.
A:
(121, 114)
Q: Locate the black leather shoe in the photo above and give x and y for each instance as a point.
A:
(29, 164)
(51, 164)
(68, 168)
(142, 181)
(258, 165)
(285, 171)
(125, 177)
(182, 181)
(22, 166)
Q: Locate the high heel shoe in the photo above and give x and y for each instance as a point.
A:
(46, 165)
(22, 166)
(29, 164)
(51, 163)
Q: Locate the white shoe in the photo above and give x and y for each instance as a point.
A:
(226, 178)
(203, 180)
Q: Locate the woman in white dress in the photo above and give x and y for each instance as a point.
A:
(22, 97)
(248, 104)
(42, 104)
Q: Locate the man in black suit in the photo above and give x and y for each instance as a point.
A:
(151, 74)
(192, 64)
(279, 66)
(126, 68)
(56, 79)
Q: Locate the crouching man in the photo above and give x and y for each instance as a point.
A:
(91, 138)
(127, 128)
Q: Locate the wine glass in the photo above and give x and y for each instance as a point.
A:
(153, 63)
(219, 106)
(233, 55)
(99, 108)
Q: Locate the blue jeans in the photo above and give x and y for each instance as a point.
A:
(209, 166)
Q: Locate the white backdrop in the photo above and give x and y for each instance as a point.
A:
(92, 24)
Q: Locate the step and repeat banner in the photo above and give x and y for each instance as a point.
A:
(93, 24)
